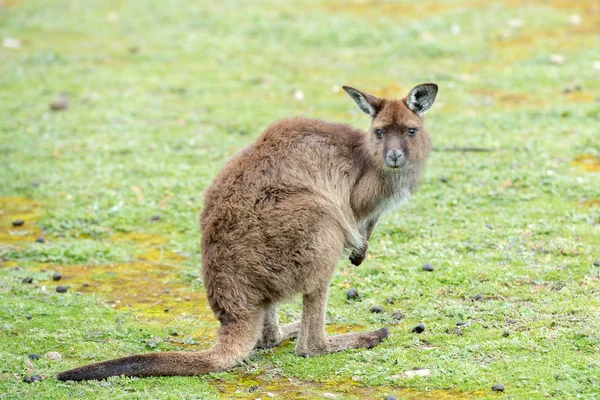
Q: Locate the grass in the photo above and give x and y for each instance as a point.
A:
(161, 95)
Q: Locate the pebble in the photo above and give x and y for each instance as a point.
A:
(419, 328)
(167, 310)
(461, 323)
(18, 222)
(60, 102)
(28, 280)
(389, 300)
(417, 372)
(352, 293)
(28, 316)
(427, 267)
(62, 289)
(40, 240)
(56, 276)
(597, 263)
(155, 218)
(498, 388)
(443, 179)
(477, 297)
(505, 334)
(376, 309)
(32, 378)
(34, 356)
(53, 355)
(458, 331)
(187, 298)
(85, 284)
(397, 316)
(167, 291)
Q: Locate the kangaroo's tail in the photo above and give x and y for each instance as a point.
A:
(235, 340)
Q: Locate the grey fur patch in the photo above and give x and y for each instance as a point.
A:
(360, 100)
(421, 98)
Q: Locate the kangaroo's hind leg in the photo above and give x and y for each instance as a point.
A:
(312, 339)
(274, 334)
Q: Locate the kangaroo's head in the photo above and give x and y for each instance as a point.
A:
(397, 138)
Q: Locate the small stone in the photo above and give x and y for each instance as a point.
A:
(36, 378)
(389, 398)
(167, 310)
(443, 179)
(376, 309)
(18, 222)
(427, 267)
(505, 334)
(457, 331)
(352, 294)
(56, 276)
(53, 356)
(389, 300)
(11, 43)
(60, 102)
(34, 356)
(419, 328)
(597, 263)
(253, 388)
(187, 298)
(62, 289)
(27, 379)
(28, 280)
(477, 297)
(397, 316)
(155, 218)
(40, 240)
(417, 372)
(575, 19)
(557, 59)
(298, 94)
(498, 388)
(461, 323)
(28, 316)
(167, 291)
(174, 333)
(85, 284)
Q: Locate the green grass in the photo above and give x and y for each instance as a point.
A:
(163, 93)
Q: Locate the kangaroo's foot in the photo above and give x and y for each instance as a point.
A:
(273, 339)
(337, 343)
(272, 333)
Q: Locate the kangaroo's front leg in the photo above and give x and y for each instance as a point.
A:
(357, 256)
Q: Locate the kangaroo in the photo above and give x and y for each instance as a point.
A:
(276, 221)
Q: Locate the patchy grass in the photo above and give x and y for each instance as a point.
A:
(161, 96)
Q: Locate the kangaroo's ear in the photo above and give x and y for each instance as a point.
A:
(421, 98)
(368, 103)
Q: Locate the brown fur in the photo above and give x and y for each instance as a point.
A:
(275, 222)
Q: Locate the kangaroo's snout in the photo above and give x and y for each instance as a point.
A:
(395, 158)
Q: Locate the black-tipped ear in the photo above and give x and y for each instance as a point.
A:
(421, 98)
(369, 104)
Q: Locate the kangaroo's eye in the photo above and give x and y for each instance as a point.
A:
(412, 132)
(379, 133)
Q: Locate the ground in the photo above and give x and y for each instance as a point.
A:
(161, 94)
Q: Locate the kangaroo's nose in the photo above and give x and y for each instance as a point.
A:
(395, 155)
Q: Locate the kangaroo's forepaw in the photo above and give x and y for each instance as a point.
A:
(357, 257)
